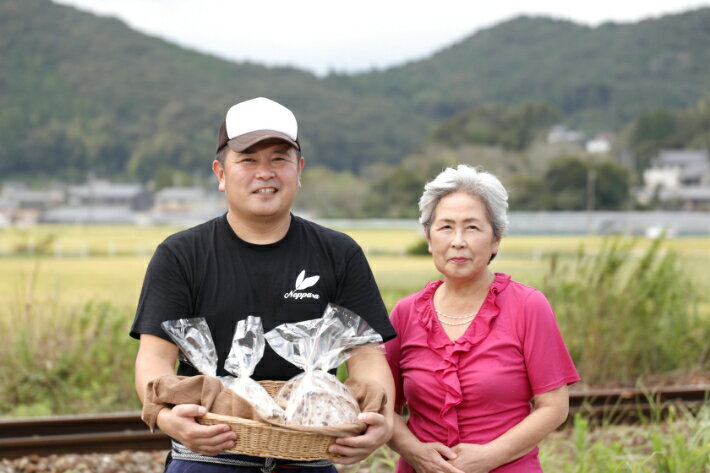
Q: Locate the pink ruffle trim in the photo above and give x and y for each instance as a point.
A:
(448, 351)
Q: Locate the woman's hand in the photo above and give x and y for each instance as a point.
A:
(431, 457)
(472, 458)
(180, 424)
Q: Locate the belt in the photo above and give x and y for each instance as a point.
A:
(266, 465)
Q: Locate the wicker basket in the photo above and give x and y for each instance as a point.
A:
(265, 440)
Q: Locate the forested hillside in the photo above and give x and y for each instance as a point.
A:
(82, 93)
(601, 78)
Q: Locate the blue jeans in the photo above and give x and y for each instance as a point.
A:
(183, 466)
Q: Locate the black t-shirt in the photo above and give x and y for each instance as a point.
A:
(208, 271)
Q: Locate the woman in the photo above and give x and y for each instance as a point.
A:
(474, 349)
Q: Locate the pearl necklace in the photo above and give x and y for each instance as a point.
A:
(468, 318)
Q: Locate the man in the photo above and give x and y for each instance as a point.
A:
(248, 262)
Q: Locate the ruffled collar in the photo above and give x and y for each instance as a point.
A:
(447, 354)
(479, 328)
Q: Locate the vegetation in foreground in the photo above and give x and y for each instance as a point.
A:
(626, 318)
(678, 444)
(622, 303)
(634, 311)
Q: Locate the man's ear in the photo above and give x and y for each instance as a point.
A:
(301, 163)
(218, 171)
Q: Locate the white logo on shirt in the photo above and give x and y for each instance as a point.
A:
(302, 282)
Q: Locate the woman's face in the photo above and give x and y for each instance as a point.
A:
(461, 237)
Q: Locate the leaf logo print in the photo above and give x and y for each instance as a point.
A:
(303, 282)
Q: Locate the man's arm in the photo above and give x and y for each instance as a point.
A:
(156, 357)
(368, 364)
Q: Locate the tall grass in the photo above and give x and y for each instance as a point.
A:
(626, 316)
(626, 313)
(56, 363)
(679, 444)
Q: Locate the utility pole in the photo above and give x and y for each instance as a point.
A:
(591, 184)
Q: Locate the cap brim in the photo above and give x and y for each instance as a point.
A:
(245, 141)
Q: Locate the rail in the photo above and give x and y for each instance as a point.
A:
(126, 431)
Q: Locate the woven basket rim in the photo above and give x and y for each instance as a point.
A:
(256, 423)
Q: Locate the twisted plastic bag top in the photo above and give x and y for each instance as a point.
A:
(316, 397)
(247, 349)
(324, 343)
(193, 338)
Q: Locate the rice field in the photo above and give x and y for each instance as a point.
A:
(69, 265)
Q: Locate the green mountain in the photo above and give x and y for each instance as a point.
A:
(82, 93)
(599, 77)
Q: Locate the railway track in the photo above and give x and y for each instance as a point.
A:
(126, 431)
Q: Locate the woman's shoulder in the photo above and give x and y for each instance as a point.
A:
(523, 292)
(416, 301)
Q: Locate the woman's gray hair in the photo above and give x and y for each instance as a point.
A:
(473, 181)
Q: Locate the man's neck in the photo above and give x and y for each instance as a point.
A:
(259, 232)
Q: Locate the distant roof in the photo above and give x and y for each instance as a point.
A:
(683, 157)
(106, 189)
(89, 214)
(179, 193)
(37, 196)
(687, 193)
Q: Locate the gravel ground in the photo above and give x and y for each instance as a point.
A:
(122, 462)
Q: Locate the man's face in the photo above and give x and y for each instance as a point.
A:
(262, 181)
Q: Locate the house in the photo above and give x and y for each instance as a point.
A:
(178, 199)
(601, 144)
(678, 179)
(690, 166)
(686, 198)
(107, 194)
(186, 205)
(25, 206)
(562, 134)
(103, 202)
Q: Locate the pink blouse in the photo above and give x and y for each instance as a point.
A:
(476, 388)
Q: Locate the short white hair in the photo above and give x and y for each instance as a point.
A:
(473, 181)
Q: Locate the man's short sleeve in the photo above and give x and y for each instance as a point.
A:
(165, 294)
(358, 292)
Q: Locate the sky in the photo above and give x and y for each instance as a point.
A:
(324, 35)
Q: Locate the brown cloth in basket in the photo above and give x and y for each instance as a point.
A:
(170, 390)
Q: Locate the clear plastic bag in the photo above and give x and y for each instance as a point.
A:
(315, 397)
(247, 349)
(193, 338)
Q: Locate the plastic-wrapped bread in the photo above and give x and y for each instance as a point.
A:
(316, 397)
(247, 349)
(197, 348)
(194, 339)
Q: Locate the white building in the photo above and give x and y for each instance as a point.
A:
(600, 144)
(678, 179)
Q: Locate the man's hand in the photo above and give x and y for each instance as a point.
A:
(431, 457)
(180, 424)
(350, 450)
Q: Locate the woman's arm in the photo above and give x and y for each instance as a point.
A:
(551, 409)
(424, 457)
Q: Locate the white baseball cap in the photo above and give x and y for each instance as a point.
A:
(255, 120)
